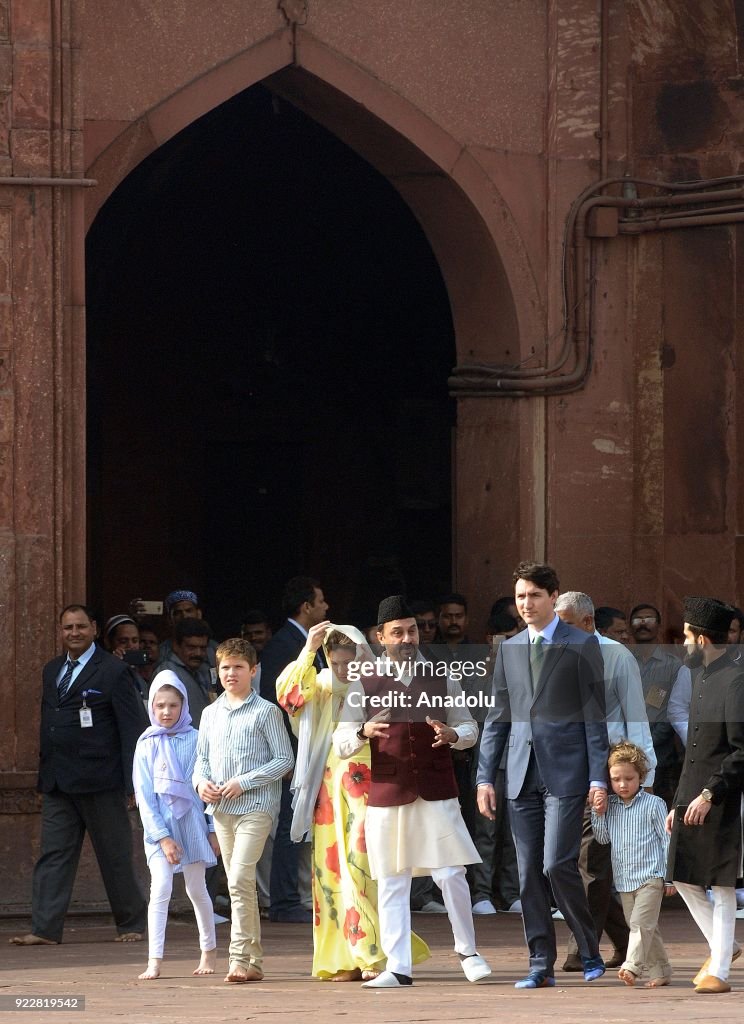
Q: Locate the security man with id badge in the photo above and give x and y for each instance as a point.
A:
(91, 718)
(664, 677)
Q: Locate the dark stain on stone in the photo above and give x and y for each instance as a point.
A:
(690, 114)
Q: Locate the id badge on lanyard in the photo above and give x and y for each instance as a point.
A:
(86, 715)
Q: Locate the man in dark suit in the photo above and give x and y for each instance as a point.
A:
(548, 705)
(91, 718)
(304, 605)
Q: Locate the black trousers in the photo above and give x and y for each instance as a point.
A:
(65, 818)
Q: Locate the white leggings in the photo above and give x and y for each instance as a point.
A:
(161, 887)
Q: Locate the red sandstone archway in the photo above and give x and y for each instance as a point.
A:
(494, 297)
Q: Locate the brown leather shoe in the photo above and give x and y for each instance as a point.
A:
(616, 960)
(711, 984)
(573, 963)
(701, 973)
(704, 969)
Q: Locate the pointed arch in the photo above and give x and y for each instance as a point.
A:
(495, 301)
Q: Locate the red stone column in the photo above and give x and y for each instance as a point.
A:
(42, 385)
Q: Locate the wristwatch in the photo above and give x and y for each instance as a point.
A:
(360, 731)
(707, 795)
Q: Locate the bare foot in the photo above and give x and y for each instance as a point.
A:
(355, 975)
(31, 940)
(239, 975)
(207, 963)
(657, 983)
(152, 972)
(370, 974)
(129, 937)
(627, 976)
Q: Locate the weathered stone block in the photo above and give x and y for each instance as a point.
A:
(31, 151)
(32, 96)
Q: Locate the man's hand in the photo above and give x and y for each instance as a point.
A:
(669, 889)
(214, 843)
(232, 789)
(598, 799)
(487, 800)
(669, 825)
(209, 793)
(315, 635)
(378, 725)
(171, 849)
(697, 811)
(444, 735)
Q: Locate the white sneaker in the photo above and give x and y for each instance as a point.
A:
(475, 968)
(740, 913)
(484, 907)
(515, 908)
(386, 980)
(432, 907)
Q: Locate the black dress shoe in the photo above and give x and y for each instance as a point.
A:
(298, 916)
(573, 963)
(616, 960)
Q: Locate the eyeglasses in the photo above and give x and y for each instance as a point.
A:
(426, 623)
(640, 619)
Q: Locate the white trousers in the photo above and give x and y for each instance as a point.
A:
(161, 887)
(716, 920)
(393, 906)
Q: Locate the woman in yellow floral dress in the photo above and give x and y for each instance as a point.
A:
(330, 799)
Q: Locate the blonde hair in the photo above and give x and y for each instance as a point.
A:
(626, 752)
(236, 647)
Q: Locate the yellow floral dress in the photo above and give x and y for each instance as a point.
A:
(346, 928)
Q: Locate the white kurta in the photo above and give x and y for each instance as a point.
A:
(422, 835)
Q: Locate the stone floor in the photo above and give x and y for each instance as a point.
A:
(88, 963)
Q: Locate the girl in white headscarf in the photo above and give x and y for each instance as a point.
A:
(177, 835)
(330, 802)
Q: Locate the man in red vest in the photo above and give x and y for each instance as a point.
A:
(413, 824)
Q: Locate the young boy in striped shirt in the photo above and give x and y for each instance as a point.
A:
(635, 825)
(241, 755)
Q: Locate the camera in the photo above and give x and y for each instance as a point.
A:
(135, 658)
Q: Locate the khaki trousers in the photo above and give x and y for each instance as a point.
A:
(645, 945)
(242, 838)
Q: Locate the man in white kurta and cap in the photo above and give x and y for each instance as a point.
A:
(413, 825)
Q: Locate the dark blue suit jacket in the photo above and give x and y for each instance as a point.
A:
(562, 722)
(89, 760)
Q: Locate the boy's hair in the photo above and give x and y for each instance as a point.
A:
(236, 647)
(626, 752)
(338, 639)
(168, 686)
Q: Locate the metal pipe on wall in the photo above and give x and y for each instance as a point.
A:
(49, 182)
(482, 379)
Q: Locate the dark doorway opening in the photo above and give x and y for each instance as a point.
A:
(269, 339)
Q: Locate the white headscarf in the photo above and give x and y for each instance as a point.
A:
(314, 742)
